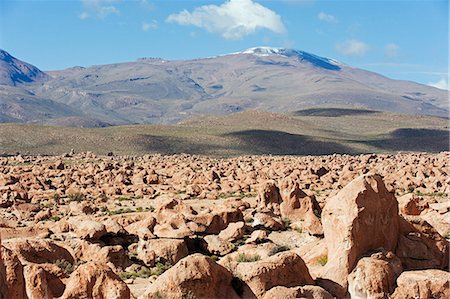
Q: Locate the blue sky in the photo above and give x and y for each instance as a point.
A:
(400, 39)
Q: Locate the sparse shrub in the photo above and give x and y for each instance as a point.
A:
(278, 249)
(299, 229)
(317, 213)
(214, 258)
(160, 268)
(55, 218)
(322, 260)
(143, 273)
(243, 258)
(56, 198)
(286, 222)
(189, 295)
(76, 197)
(120, 211)
(249, 220)
(434, 194)
(150, 208)
(139, 209)
(65, 266)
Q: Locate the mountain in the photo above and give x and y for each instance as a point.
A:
(14, 71)
(154, 90)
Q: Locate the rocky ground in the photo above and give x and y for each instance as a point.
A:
(85, 226)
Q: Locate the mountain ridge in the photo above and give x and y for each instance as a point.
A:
(169, 91)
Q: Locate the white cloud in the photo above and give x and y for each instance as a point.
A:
(151, 25)
(352, 47)
(234, 19)
(98, 9)
(442, 84)
(391, 50)
(326, 17)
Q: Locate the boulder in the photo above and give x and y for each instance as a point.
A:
(269, 197)
(307, 292)
(95, 280)
(218, 246)
(363, 216)
(12, 283)
(87, 229)
(36, 283)
(298, 206)
(374, 276)
(420, 246)
(429, 283)
(233, 232)
(161, 250)
(38, 250)
(285, 269)
(196, 276)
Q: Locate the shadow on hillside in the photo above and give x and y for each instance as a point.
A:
(282, 143)
(423, 140)
(332, 112)
(249, 142)
(169, 145)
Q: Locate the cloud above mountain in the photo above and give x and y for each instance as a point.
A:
(233, 20)
(98, 9)
(322, 16)
(352, 47)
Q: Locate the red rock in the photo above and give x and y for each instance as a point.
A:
(94, 280)
(374, 276)
(363, 216)
(197, 276)
(423, 284)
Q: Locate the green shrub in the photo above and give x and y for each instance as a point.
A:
(160, 268)
(243, 258)
(55, 218)
(65, 266)
(322, 260)
(76, 197)
(286, 222)
(278, 249)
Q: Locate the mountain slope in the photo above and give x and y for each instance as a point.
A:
(271, 79)
(14, 71)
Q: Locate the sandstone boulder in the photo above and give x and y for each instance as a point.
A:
(283, 269)
(197, 276)
(38, 250)
(423, 284)
(363, 216)
(374, 276)
(87, 229)
(218, 246)
(36, 283)
(161, 250)
(298, 206)
(307, 292)
(95, 280)
(420, 246)
(233, 232)
(12, 283)
(269, 197)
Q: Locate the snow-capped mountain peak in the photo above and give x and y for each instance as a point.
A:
(318, 61)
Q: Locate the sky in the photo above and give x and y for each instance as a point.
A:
(406, 39)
